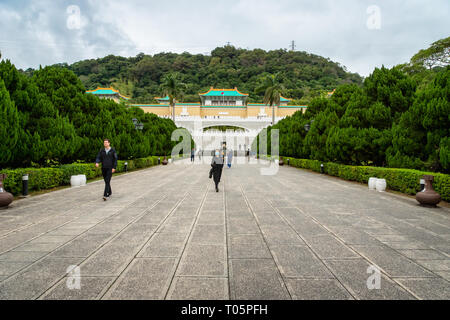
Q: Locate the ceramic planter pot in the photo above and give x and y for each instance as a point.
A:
(5, 197)
(165, 162)
(428, 197)
(381, 185)
(281, 163)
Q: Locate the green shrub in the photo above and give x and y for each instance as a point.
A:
(46, 178)
(87, 169)
(140, 163)
(403, 180)
(13, 181)
(38, 179)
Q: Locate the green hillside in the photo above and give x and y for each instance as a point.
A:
(305, 75)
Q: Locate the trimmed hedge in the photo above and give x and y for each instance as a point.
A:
(38, 179)
(47, 178)
(87, 169)
(403, 180)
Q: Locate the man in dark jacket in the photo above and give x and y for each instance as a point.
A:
(216, 168)
(108, 158)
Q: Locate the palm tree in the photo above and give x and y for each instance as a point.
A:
(273, 90)
(172, 87)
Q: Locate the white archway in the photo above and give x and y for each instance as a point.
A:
(212, 139)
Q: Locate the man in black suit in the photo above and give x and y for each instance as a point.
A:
(108, 157)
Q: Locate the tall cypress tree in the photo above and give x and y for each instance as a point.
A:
(420, 140)
(9, 126)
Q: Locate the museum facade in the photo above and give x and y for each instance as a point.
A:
(215, 103)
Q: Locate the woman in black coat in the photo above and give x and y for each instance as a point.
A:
(216, 168)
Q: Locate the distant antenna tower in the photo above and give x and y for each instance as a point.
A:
(228, 43)
(293, 45)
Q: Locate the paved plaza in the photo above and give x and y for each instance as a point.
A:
(166, 234)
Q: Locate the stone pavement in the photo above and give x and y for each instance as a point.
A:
(166, 234)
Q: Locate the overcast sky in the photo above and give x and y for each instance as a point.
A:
(351, 32)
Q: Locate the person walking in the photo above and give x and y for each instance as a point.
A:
(192, 155)
(229, 158)
(216, 168)
(108, 158)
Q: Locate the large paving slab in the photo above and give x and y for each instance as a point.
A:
(166, 234)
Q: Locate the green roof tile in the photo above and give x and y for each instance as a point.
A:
(223, 93)
(107, 91)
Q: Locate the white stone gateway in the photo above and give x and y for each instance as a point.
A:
(212, 139)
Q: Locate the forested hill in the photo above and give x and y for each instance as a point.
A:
(305, 75)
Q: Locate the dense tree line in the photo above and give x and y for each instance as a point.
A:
(304, 75)
(48, 119)
(395, 119)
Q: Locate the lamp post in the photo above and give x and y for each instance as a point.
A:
(25, 185)
(126, 166)
(308, 125)
(137, 125)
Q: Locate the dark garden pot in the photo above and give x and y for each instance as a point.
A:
(428, 197)
(281, 162)
(165, 162)
(5, 197)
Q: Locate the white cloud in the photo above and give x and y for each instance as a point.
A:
(36, 33)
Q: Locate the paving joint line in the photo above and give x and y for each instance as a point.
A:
(104, 243)
(97, 249)
(226, 236)
(342, 242)
(265, 240)
(369, 260)
(187, 241)
(349, 290)
(105, 291)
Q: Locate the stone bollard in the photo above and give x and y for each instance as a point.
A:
(75, 181)
(372, 183)
(381, 185)
(83, 180)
